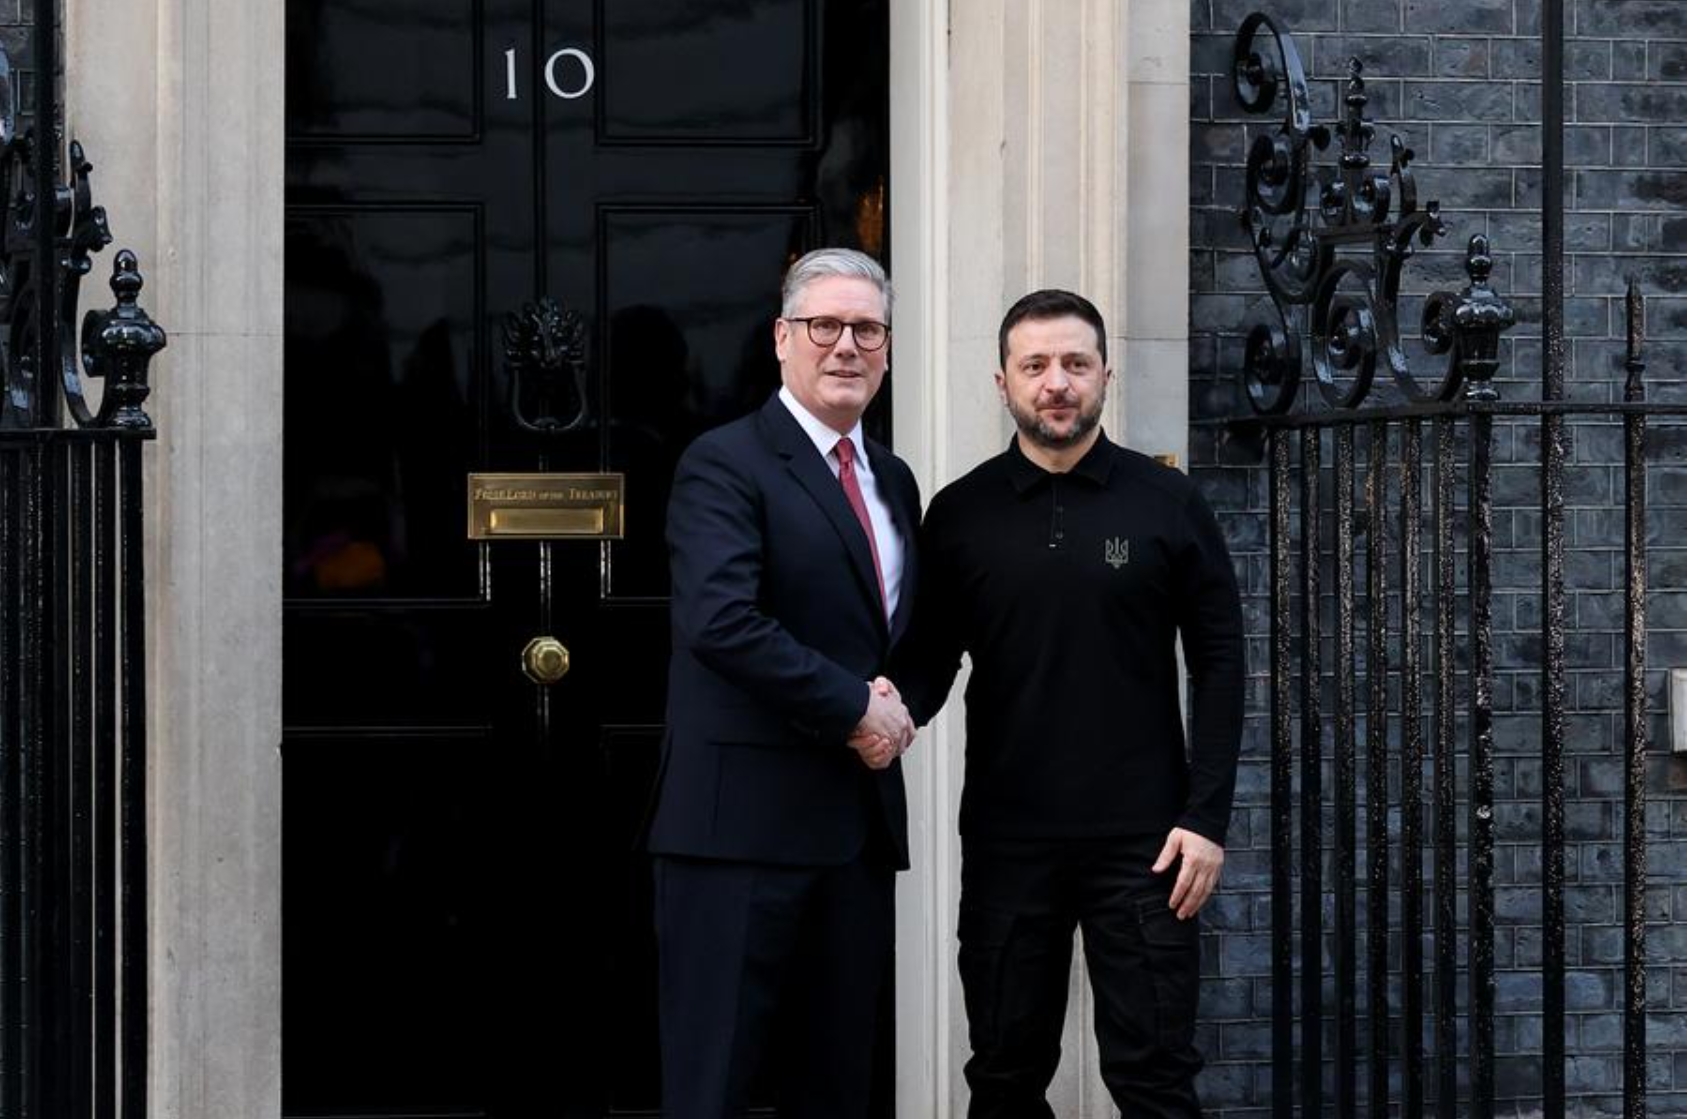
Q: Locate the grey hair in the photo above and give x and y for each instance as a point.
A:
(821, 263)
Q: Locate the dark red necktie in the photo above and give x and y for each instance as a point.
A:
(846, 450)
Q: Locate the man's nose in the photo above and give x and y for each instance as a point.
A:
(846, 343)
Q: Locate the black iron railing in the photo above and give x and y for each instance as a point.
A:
(73, 866)
(1332, 250)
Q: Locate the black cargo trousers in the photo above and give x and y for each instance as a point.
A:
(1021, 901)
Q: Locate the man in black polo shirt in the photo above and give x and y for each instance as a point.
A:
(1066, 567)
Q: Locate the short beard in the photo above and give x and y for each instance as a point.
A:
(1033, 426)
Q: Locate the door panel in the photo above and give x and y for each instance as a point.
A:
(630, 769)
(730, 73)
(467, 920)
(383, 389)
(394, 835)
(688, 347)
(367, 62)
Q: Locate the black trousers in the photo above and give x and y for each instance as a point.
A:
(1021, 901)
(758, 962)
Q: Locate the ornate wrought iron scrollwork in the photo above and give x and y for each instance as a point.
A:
(1348, 328)
(1346, 302)
(1276, 214)
(83, 227)
(545, 357)
(126, 338)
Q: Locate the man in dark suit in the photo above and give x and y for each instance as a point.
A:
(791, 550)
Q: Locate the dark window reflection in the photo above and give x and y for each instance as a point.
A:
(676, 69)
(380, 68)
(690, 345)
(378, 310)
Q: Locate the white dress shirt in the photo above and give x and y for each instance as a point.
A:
(887, 539)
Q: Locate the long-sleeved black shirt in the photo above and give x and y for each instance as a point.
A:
(1067, 591)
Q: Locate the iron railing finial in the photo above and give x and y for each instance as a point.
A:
(118, 344)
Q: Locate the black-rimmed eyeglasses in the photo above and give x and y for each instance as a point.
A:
(824, 330)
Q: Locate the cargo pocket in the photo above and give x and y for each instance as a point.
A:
(982, 937)
(1170, 948)
(1014, 971)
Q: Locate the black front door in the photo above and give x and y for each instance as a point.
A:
(466, 920)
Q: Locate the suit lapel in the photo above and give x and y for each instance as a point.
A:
(906, 515)
(812, 473)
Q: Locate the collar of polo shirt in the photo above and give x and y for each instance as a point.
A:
(1024, 474)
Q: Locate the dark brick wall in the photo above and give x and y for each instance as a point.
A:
(1458, 79)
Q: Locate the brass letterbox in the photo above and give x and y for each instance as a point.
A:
(545, 507)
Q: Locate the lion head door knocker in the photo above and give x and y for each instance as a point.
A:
(545, 356)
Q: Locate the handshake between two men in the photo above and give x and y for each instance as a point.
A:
(885, 730)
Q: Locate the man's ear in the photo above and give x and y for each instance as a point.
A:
(1002, 388)
(782, 338)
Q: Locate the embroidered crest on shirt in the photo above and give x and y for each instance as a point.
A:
(1115, 552)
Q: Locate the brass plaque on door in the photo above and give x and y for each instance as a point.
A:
(545, 506)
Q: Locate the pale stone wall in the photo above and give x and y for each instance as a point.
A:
(179, 103)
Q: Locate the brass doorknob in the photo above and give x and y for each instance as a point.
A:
(545, 660)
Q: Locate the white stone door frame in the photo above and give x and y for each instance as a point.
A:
(179, 103)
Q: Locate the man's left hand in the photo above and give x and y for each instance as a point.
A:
(1199, 870)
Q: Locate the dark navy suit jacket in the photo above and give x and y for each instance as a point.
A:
(777, 627)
